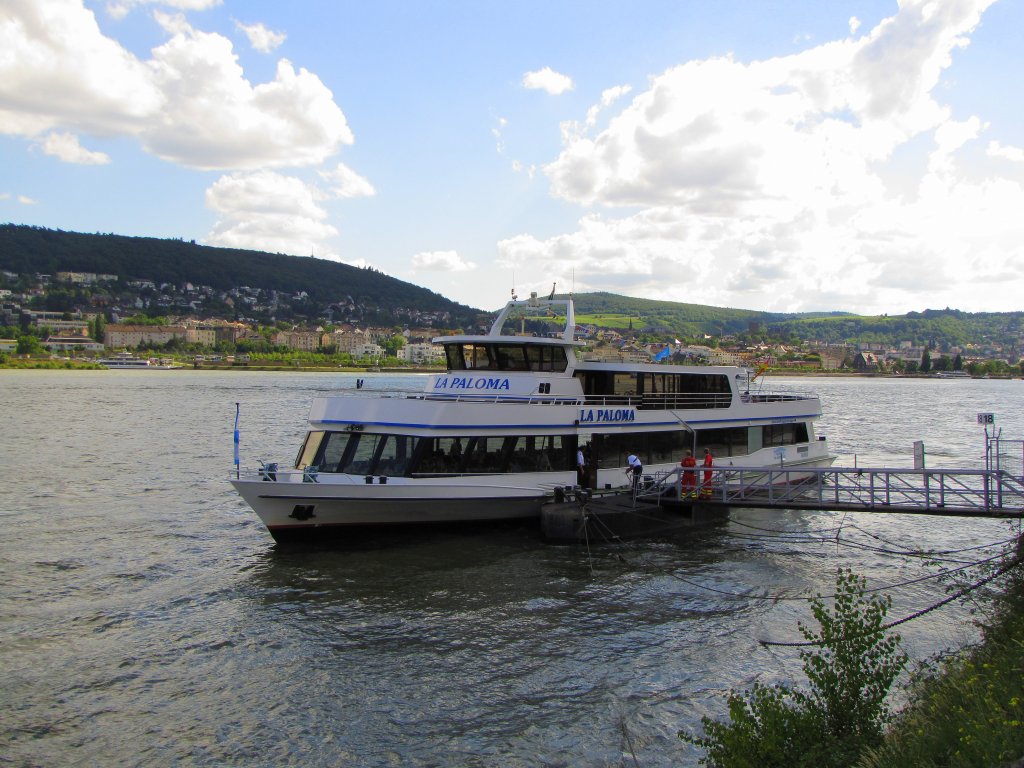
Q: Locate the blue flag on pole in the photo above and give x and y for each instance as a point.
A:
(236, 441)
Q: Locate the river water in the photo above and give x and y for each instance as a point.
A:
(147, 618)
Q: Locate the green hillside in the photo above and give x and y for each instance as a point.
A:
(31, 249)
(937, 328)
(686, 319)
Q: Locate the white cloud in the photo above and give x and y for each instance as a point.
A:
(26, 200)
(262, 39)
(996, 149)
(608, 97)
(548, 80)
(769, 184)
(215, 119)
(67, 148)
(268, 211)
(497, 132)
(441, 261)
(57, 69)
(359, 263)
(854, 25)
(118, 9)
(190, 103)
(346, 183)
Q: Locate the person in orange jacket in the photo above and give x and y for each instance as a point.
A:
(689, 476)
(709, 461)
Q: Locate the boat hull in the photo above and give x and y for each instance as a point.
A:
(290, 509)
(293, 508)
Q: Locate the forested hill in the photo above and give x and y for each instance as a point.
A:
(685, 318)
(937, 328)
(30, 250)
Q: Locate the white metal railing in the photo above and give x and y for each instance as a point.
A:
(659, 401)
(949, 491)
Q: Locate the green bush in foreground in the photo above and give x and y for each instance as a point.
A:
(970, 710)
(851, 665)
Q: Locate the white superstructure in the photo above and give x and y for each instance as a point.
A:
(499, 430)
(128, 361)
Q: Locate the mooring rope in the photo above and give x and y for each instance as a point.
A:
(916, 615)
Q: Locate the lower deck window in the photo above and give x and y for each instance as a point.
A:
(359, 453)
(728, 441)
(362, 453)
(784, 434)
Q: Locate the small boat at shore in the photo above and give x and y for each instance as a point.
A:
(497, 433)
(126, 361)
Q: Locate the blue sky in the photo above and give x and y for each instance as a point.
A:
(789, 156)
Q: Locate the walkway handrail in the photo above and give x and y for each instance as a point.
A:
(938, 489)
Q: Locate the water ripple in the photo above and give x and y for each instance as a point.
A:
(147, 618)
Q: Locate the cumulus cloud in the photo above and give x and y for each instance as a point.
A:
(190, 103)
(269, 211)
(58, 69)
(997, 149)
(262, 39)
(121, 8)
(548, 80)
(770, 184)
(608, 97)
(66, 147)
(441, 261)
(215, 119)
(346, 183)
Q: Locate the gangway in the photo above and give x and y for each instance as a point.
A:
(978, 492)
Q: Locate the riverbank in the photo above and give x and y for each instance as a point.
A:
(19, 363)
(971, 710)
(967, 709)
(290, 367)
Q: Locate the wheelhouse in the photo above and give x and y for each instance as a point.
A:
(505, 356)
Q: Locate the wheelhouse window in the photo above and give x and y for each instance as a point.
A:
(546, 358)
(466, 357)
(505, 357)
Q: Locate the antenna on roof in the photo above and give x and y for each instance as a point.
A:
(514, 297)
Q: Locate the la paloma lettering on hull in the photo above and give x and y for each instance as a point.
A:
(607, 415)
(472, 382)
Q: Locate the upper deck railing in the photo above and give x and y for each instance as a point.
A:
(659, 402)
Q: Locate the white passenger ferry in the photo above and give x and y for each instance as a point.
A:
(126, 361)
(493, 436)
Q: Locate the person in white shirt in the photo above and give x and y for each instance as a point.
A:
(636, 467)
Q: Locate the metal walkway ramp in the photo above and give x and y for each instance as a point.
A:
(978, 492)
